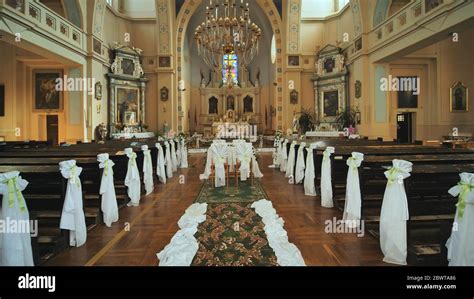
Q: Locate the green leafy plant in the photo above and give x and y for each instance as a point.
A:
(346, 117)
(307, 120)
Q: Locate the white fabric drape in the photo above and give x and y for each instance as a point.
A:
(284, 156)
(184, 246)
(326, 178)
(147, 170)
(168, 163)
(160, 164)
(353, 202)
(244, 156)
(184, 154)
(178, 152)
(132, 179)
(461, 242)
(255, 168)
(107, 190)
(290, 164)
(174, 160)
(219, 158)
(72, 217)
(309, 173)
(394, 214)
(287, 253)
(15, 247)
(300, 164)
(277, 153)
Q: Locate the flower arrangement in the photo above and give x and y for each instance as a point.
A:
(182, 138)
(278, 138)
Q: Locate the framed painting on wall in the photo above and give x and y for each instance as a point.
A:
(128, 105)
(45, 95)
(331, 103)
(459, 98)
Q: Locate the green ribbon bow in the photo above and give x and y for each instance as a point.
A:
(326, 155)
(465, 190)
(133, 157)
(353, 163)
(12, 189)
(106, 167)
(73, 176)
(393, 175)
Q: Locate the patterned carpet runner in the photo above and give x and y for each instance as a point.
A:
(233, 234)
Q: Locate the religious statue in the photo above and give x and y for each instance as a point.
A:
(166, 128)
(257, 78)
(101, 133)
(295, 124)
(203, 80)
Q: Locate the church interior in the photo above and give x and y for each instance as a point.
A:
(236, 132)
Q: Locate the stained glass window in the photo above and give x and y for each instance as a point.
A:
(230, 60)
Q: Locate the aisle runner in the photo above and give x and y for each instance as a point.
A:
(240, 229)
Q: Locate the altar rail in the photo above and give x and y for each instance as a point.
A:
(41, 16)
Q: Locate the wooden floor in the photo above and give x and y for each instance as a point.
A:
(144, 231)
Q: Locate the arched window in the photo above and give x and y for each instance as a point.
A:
(230, 66)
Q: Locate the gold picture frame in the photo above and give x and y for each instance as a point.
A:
(459, 98)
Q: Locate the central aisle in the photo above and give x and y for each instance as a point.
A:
(144, 231)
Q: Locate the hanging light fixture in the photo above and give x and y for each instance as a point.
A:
(227, 29)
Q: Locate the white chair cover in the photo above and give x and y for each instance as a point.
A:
(174, 160)
(15, 247)
(394, 214)
(310, 174)
(244, 156)
(326, 178)
(160, 164)
(207, 168)
(168, 163)
(300, 164)
(147, 170)
(184, 154)
(219, 157)
(178, 152)
(255, 167)
(461, 243)
(132, 179)
(290, 164)
(353, 202)
(72, 217)
(107, 190)
(284, 156)
(277, 154)
(232, 157)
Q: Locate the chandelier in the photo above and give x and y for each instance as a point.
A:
(227, 29)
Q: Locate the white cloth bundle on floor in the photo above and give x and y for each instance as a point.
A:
(174, 160)
(394, 214)
(160, 164)
(326, 178)
(147, 170)
(219, 158)
(15, 247)
(353, 202)
(72, 217)
(168, 163)
(184, 154)
(310, 173)
(290, 164)
(184, 246)
(300, 164)
(287, 253)
(107, 190)
(284, 156)
(244, 156)
(461, 242)
(132, 179)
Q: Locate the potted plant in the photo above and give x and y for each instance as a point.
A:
(346, 117)
(307, 120)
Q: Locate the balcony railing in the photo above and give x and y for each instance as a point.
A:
(47, 20)
(412, 14)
